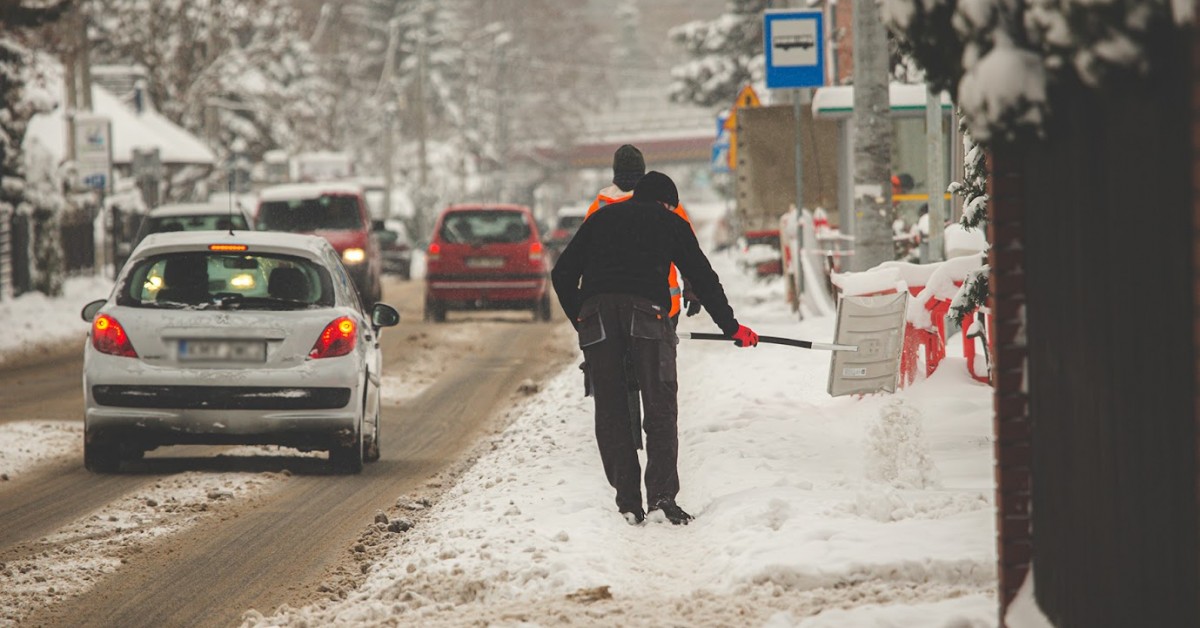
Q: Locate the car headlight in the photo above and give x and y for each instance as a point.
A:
(353, 256)
(242, 282)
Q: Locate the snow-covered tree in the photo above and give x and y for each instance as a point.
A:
(23, 94)
(629, 52)
(965, 46)
(973, 188)
(725, 55)
(238, 70)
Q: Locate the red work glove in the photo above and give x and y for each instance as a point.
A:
(745, 337)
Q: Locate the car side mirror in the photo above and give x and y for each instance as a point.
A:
(384, 315)
(90, 310)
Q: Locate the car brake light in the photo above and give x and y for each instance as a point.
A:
(225, 248)
(337, 339)
(535, 251)
(435, 251)
(109, 337)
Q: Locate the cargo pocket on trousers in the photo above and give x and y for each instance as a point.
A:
(648, 322)
(590, 326)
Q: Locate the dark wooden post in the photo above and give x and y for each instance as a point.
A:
(1014, 435)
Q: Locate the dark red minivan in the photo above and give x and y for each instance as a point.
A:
(486, 257)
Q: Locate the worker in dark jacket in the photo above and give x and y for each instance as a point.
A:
(611, 281)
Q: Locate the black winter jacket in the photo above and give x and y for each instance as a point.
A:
(628, 248)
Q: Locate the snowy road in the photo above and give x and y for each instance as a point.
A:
(257, 531)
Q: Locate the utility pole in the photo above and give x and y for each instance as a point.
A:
(935, 149)
(85, 60)
(423, 213)
(872, 141)
(389, 148)
(211, 122)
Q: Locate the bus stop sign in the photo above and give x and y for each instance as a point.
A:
(794, 42)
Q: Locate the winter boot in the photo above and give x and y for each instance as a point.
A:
(634, 517)
(672, 511)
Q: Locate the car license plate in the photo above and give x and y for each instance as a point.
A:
(485, 262)
(223, 350)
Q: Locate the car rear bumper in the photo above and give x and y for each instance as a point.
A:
(316, 403)
(486, 288)
(155, 427)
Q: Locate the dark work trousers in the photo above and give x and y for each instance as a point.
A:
(609, 326)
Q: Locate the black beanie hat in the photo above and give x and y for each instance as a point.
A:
(657, 187)
(628, 167)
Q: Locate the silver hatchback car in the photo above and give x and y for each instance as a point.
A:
(233, 338)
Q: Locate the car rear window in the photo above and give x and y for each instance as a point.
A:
(210, 280)
(484, 227)
(324, 213)
(221, 222)
(570, 223)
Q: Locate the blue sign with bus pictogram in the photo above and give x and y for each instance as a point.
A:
(794, 42)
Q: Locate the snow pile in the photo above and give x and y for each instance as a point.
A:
(31, 442)
(71, 561)
(34, 321)
(880, 506)
(897, 451)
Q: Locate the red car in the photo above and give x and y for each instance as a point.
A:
(336, 211)
(486, 257)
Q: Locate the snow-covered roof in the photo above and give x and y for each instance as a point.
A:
(838, 101)
(297, 191)
(188, 209)
(642, 115)
(130, 129)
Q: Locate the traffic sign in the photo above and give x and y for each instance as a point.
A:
(794, 42)
(93, 151)
(721, 146)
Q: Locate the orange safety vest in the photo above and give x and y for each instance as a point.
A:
(613, 194)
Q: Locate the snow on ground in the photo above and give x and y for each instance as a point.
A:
(25, 444)
(70, 561)
(811, 511)
(33, 320)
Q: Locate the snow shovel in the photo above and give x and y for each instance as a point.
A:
(775, 340)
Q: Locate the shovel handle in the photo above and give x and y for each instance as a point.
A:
(776, 340)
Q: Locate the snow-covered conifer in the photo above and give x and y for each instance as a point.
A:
(725, 55)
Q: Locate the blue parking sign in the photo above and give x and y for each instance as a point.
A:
(794, 43)
(96, 181)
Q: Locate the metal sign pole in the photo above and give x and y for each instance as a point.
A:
(935, 184)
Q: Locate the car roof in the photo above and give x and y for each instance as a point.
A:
(572, 210)
(301, 191)
(263, 241)
(190, 209)
(487, 207)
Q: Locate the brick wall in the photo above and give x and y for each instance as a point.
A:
(1013, 429)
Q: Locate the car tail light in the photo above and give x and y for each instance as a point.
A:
(109, 337)
(337, 339)
(535, 251)
(435, 251)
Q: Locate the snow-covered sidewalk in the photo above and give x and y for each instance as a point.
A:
(810, 511)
